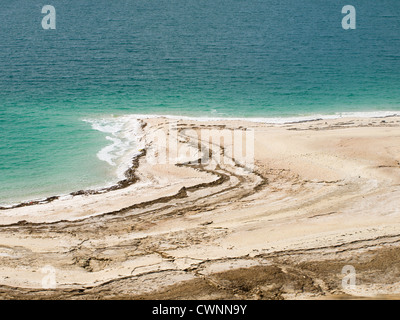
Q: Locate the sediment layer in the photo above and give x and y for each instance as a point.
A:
(321, 195)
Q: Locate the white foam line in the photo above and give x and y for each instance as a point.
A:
(277, 120)
(124, 132)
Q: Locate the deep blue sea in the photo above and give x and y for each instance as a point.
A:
(63, 91)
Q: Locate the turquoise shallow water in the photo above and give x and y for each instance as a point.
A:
(211, 58)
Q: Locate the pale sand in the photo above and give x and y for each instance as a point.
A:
(322, 195)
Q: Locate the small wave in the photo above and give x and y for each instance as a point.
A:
(111, 152)
(124, 133)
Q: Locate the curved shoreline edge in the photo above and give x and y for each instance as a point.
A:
(130, 178)
(129, 173)
(322, 196)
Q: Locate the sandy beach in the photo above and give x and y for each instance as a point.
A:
(201, 221)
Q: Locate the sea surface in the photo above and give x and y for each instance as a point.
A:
(64, 93)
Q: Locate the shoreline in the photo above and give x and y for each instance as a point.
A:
(129, 177)
(129, 180)
(320, 191)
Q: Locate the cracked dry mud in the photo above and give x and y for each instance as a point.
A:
(322, 195)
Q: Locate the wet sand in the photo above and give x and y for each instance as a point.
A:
(321, 195)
